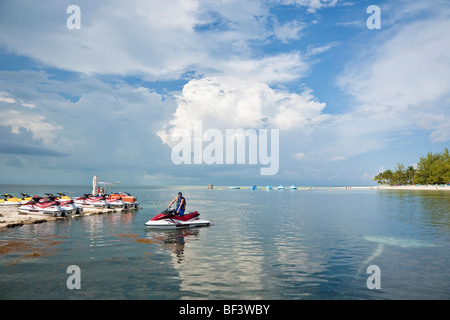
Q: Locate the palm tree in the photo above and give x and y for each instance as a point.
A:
(410, 172)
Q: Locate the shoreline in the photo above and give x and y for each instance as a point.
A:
(405, 187)
(375, 187)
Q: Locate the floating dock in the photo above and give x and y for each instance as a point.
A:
(10, 216)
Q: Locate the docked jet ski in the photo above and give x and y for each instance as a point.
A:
(68, 205)
(129, 200)
(35, 206)
(88, 200)
(169, 220)
(25, 197)
(63, 196)
(9, 200)
(116, 202)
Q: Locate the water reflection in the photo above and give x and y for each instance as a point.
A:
(263, 245)
(173, 240)
(425, 209)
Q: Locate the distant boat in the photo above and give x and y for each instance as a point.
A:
(234, 187)
(293, 187)
(254, 188)
(269, 188)
(280, 187)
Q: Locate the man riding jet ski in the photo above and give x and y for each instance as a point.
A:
(181, 204)
(171, 218)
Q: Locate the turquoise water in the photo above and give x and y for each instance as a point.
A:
(303, 244)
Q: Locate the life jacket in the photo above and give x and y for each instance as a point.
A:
(179, 202)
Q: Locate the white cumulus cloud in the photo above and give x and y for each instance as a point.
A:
(229, 102)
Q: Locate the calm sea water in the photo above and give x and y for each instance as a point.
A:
(303, 244)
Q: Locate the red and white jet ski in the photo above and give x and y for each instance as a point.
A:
(34, 206)
(88, 200)
(116, 202)
(169, 220)
(67, 204)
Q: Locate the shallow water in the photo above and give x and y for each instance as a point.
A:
(303, 244)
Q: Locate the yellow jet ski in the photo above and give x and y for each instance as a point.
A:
(63, 196)
(9, 200)
(26, 197)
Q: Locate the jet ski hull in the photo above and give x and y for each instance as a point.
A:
(55, 211)
(87, 201)
(116, 203)
(95, 205)
(71, 208)
(10, 203)
(170, 224)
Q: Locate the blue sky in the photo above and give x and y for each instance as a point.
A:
(106, 99)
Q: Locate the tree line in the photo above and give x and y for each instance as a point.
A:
(434, 168)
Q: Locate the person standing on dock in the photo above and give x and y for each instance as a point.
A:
(181, 204)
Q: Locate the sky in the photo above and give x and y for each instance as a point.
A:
(114, 89)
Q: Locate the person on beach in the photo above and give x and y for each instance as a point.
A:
(181, 204)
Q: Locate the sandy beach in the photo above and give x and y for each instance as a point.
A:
(406, 187)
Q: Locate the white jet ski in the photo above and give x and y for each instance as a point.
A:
(116, 203)
(66, 204)
(34, 206)
(88, 200)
